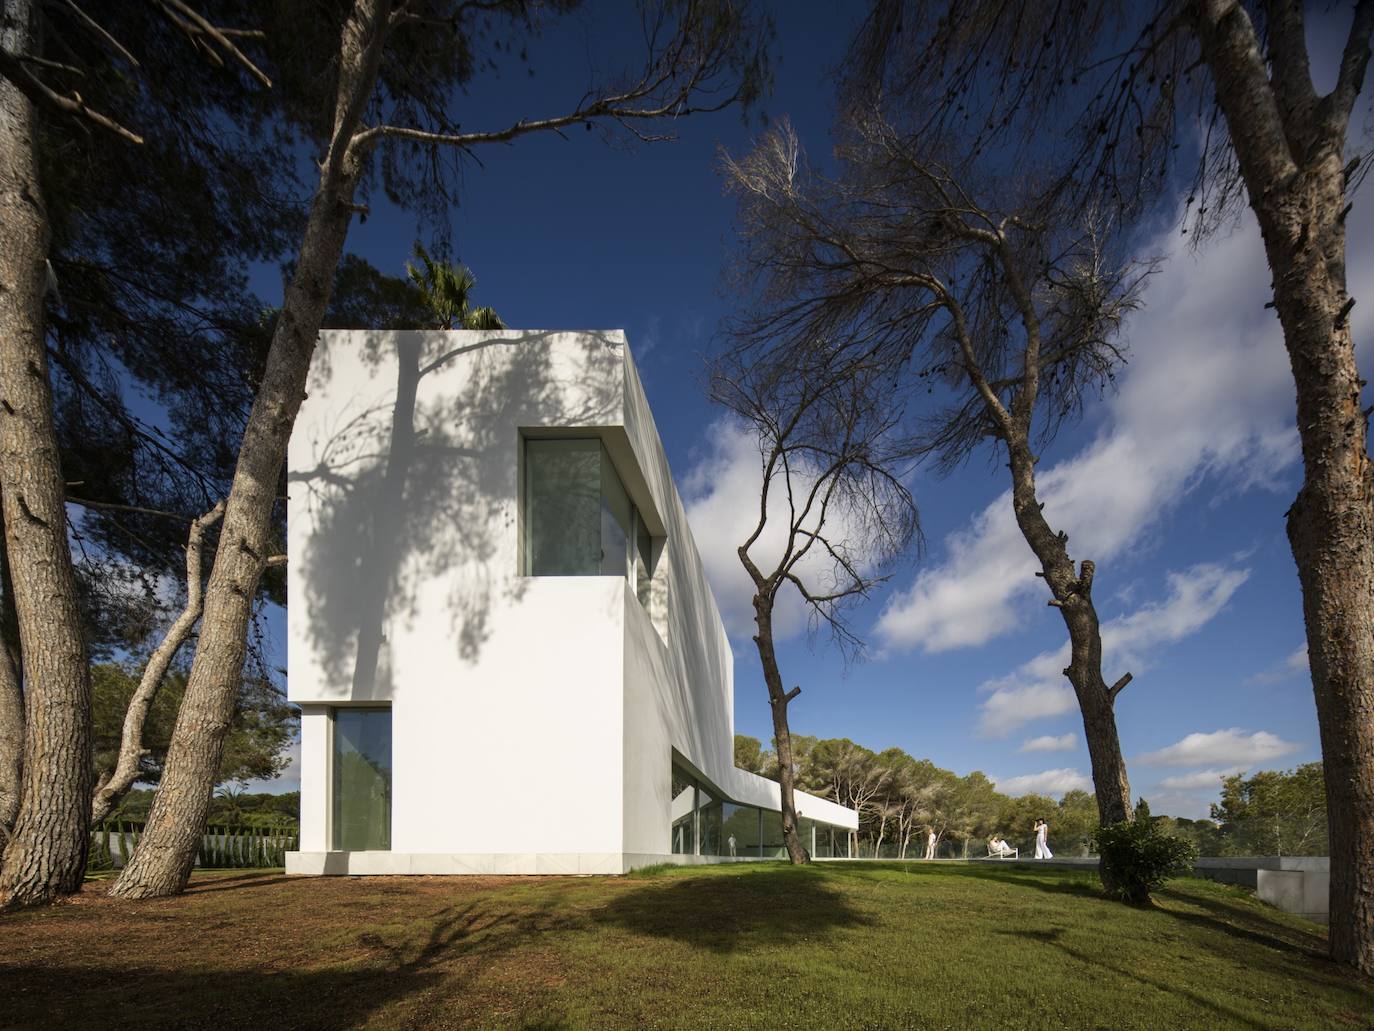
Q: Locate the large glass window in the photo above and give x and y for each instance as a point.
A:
(617, 521)
(644, 566)
(704, 824)
(771, 844)
(825, 842)
(683, 813)
(362, 779)
(708, 823)
(739, 830)
(579, 521)
(563, 523)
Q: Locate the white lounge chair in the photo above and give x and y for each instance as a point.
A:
(1008, 852)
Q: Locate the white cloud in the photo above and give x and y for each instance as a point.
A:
(1207, 396)
(1037, 688)
(1047, 782)
(1233, 747)
(721, 494)
(1050, 743)
(1012, 702)
(1291, 668)
(1200, 779)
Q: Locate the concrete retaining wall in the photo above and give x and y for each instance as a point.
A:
(1295, 884)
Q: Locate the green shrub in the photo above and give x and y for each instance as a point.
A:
(1137, 858)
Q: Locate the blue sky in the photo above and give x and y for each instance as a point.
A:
(1175, 485)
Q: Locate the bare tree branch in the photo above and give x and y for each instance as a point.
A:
(12, 67)
(198, 27)
(94, 27)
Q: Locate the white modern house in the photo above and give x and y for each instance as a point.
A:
(501, 637)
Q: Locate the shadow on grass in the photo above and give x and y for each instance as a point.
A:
(724, 913)
(1232, 1017)
(429, 963)
(1242, 916)
(415, 970)
(1044, 935)
(260, 880)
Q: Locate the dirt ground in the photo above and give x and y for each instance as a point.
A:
(261, 950)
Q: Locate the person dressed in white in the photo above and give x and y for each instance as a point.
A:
(998, 847)
(732, 846)
(1042, 848)
(930, 843)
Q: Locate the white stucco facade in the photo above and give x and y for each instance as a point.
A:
(534, 720)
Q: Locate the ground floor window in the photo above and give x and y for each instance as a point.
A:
(362, 780)
(704, 824)
(825, 838)
(771, 845)
(684, 813)
(739, 831)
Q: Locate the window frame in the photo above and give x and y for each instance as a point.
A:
(525, 521)
(331, 816)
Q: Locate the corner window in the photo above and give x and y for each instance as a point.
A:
(362, 780)
(579, 521)
(563, 522)
(644, 554)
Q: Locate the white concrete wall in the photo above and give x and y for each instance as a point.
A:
(314, 778)
(679, 692)
(529, 714)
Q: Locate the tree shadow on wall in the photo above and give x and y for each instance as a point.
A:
(416, 491)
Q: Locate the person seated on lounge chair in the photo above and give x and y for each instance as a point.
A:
(999, 848)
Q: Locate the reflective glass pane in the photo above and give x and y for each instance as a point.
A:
(615, 521)
(562, 507)
(362, 779)
(772, 846)
(683, 813)
(739, 830)
(708, 823)
(644, 569)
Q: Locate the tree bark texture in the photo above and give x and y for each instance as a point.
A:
(1073, 597)
(11, 700)
(131, 751)
(778, 700)
(161, 865)
(1289, 144)
(46, 855)
(1071, 590)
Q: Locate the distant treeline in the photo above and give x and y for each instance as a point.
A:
(900, 798)
(231, 807)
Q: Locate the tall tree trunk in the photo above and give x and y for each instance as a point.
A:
(11, 700)
(46, 856)
(1073, 597)
(166, 852)
(1071, 590)
(1290, 146)
(131, 751)
(778, 700)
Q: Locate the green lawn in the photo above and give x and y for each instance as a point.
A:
(834, 945)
